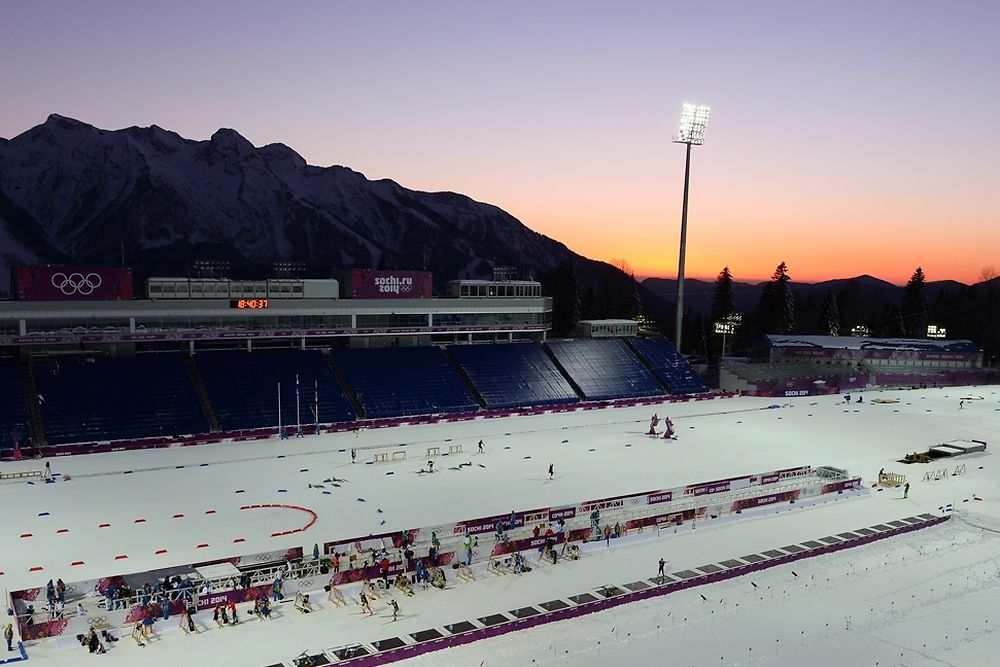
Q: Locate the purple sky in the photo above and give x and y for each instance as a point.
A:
(846, 138)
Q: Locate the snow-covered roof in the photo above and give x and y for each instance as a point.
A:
(855, 343)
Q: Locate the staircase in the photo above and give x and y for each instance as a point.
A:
(32, 403)
(345, 385)
(562, 369)
(199, 386)
(465, 378)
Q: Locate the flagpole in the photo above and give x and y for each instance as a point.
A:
(316, 403)
(298, 417)
(280, 426)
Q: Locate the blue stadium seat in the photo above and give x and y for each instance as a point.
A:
(605, 369)
(13, 416)
(243, 388)
(510, 375)
(672, 368)
(404, 381)
(117, 398)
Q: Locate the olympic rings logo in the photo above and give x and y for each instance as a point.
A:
(305, 583)
(76, 283)
(94, 620)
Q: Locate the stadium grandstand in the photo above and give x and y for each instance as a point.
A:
(245, 359)
(805, 365)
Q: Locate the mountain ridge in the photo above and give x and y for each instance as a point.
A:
(698, 293)
(72, 192)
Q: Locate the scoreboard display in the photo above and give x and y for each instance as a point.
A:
(249, 304)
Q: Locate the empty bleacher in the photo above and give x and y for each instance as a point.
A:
(404, 381)
(13, 416)
(510, 375)
(88, 399)
(605, 369)
(668, 365)
(243, 388)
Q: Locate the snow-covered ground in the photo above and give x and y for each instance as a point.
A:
(925, 598)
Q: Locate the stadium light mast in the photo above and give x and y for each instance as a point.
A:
(694, 118)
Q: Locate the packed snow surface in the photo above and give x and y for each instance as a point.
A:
(925, 598)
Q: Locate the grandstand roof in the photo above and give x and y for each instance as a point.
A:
(854, 343)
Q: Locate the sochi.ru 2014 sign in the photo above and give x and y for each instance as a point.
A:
(369, 284)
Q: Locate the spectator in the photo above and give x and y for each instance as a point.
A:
(276, 587)
(383, 568)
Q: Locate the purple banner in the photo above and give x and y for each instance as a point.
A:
(562, 513)
(711, 487)
(72, 283)
(368, 284)
(235, 596)
(842, 486)
(765, 500)
(524, 544)
(488, 525)
(660, 497)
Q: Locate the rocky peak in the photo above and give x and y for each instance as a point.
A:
(283, 154)
(230, 142)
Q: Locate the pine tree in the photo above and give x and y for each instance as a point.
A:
(566, 302)
(722, 300)
(829, 323)
(914, 308)
(633, 301)
(777, 303)
(722, 309)
(588, 304)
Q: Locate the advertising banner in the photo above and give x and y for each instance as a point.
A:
(765, 500)
(524, 544)
(235, 596)
(842, 485)
(563, 513)
(370, 284)
(660, 497)
(709, 487)
(488, 525)
(72, 283)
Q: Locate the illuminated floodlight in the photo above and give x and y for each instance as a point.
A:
(728, 324)
(860, 331)
(694, 118)
(934, 331)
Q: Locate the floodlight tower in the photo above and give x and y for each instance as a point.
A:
(694, 118)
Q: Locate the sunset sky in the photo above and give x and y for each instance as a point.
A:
(846, 137)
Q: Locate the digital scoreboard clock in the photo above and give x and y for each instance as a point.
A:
(249, 304)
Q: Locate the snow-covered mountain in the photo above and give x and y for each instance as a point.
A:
(73, 193)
